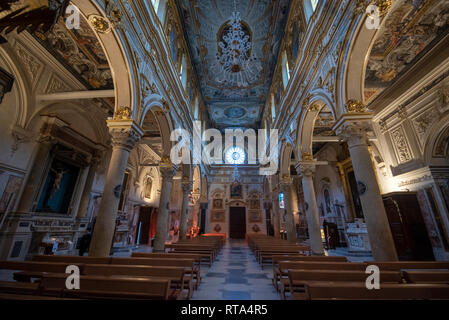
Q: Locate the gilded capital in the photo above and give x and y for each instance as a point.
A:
(307, 156)
(123, 113)
(384, 6)
(356, 106)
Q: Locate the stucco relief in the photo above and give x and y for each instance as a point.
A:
(401, 146)
(423, 123)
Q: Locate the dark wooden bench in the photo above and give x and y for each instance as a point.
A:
(419, 276)
(191, 272)
(282, 271)
(356, 291)
(207, 253)
(403, 265)
(175, 256)
(24, 288)
(100, 287)
(297, 278)
(176, 275)
(295, 257)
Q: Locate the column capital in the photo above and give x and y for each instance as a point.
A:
(167, 168)
(125, 133)
(187, 185)
(285, 183)
(354, 132)
(306, 168)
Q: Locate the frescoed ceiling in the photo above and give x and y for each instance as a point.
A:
(80, 52)
(264, 22)
(411, 30)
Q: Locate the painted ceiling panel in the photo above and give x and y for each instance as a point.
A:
(205, 24)
(410, 31)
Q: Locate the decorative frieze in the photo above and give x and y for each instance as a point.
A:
(401, 146)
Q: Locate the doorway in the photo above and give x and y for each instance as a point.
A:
(237, 222)
(147, 225)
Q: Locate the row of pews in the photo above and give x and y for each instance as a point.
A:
(301, 276)
(171, 275)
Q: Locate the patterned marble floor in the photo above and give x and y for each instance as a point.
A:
(236, 275)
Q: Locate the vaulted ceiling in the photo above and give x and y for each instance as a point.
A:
(205, 22)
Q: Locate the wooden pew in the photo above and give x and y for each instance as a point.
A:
(282, 271)
(292, 258)
(356, 291)
(34, 269)
(70, 259)
(187, 264)
(195, 257)
(419, 276)
(207, 253)
(401, 265)
(298, 278)
(100, 287)
(174, 274)
(10, 287)
(266, 252)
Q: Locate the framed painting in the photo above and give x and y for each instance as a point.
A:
(236, 191)
(217, 204)
(254, 204)
(217, 216)
(255, 216)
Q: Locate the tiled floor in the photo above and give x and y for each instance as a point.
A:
(236, 275)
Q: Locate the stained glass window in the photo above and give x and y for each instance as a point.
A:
(235, 155)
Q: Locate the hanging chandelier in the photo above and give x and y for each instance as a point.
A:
(236, 64)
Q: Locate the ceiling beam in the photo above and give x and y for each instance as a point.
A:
(323, 139)
(75, 95)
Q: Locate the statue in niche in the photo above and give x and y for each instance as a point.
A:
(148, 187)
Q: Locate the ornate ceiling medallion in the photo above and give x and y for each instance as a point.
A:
(100, 24)
(237, 65)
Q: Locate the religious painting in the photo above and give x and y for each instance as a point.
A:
(217, 216)
(255, 216)
(236, 191)
(327, 198)
(174, 44)
(217, 204)
(254, 204)
(295, 40)
(148, 187)
(9, 195)
(59, 187)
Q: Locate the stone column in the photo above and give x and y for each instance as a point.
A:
(186, 189)
(85, 197)
(167, 170)
(45, 143)
(354, 132)
(125, 134)
(276, 216)
(286, 185)
(307, 171)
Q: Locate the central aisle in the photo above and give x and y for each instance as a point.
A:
(236, 275)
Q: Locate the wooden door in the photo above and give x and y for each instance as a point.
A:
(408, 227)
(237, 223)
